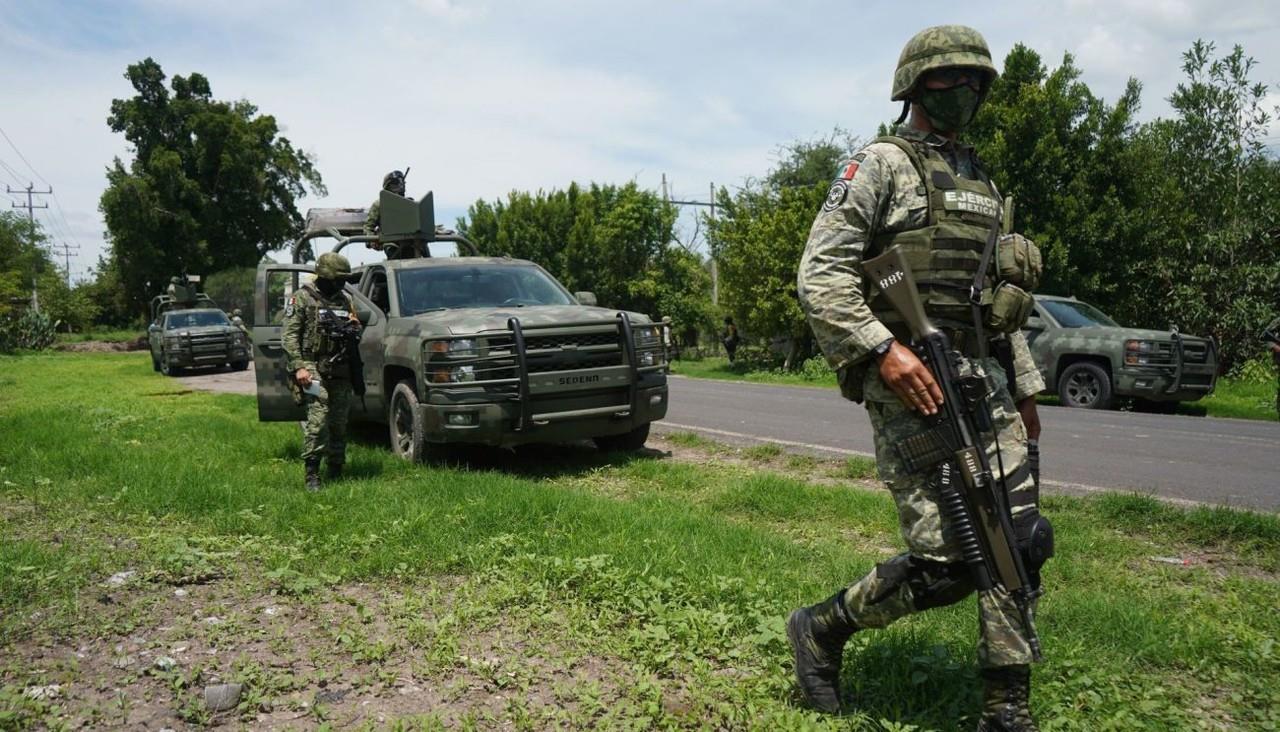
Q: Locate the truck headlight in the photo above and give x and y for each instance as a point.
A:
(464, 347)
(1135, 352)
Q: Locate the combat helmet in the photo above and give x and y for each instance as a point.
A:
(394, 178)
(940, 47)
(333, 266)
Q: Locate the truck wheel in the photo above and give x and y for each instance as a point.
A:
(239, 365)
(625, 442)
(166, 369)
(404, 421)
(1086, 386)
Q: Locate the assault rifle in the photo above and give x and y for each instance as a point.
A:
(346, 333)
(977, 505)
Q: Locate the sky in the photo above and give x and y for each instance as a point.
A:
(482, 97)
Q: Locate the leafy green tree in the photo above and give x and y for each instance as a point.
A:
(23, 260)
(612, 240)
(759, 234)
(212, 184)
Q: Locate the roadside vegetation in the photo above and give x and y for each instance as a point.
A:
(157, 542)
(1250, 393)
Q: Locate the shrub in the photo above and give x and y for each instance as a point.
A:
(29, 331)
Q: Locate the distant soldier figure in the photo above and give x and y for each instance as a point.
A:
(731, 338)
(1271, 336)
(319, 339)
(924, 192)
(394, 182)
(238, 321)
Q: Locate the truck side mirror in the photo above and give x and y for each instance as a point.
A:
(363, 315)
(585, 298)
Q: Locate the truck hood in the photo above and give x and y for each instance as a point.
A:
(1144, 334)
(201, 330)
(463, 321)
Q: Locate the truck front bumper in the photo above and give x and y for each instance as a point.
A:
(1164, 384)
(190, 359)
(498, 424)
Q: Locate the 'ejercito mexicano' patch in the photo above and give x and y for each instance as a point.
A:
(836, 195)
(969, 201)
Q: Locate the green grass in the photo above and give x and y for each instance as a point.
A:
(1236, 398)
(665, 581)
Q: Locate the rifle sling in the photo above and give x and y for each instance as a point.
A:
(975, 289)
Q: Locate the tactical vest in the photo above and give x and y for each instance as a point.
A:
(316, 346)
(946, 253)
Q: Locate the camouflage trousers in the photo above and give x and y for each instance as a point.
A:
(325, 431)
(931, 572)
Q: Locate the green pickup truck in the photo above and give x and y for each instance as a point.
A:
(1089, 360)
(471, 349)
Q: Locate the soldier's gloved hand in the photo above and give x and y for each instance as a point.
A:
(303, 377)
(910, 379)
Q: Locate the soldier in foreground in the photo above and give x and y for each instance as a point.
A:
(923, 193)
(320, 339)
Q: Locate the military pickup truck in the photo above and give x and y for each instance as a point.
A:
(1089, 360)
(470, 349)
(188, 330)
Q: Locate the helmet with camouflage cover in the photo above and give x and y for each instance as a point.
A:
(940, 47)
(332, 266)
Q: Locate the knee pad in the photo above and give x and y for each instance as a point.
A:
(932, 584)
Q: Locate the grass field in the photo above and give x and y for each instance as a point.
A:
(106, 335)
(156, 541)
(1231, 398)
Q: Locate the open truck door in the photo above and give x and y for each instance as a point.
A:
(274, 285)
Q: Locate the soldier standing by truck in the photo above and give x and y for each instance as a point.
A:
(320, 339)
(923, 192)
(1271, 336)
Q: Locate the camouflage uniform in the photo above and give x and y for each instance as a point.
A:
(877, 193)
(326, 425)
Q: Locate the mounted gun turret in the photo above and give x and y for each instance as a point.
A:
(407, 228)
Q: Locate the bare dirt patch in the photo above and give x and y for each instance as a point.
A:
(137, 344)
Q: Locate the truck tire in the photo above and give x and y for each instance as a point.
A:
(239, 365)
(404, 424)
(625, 442)
(166, 369)
(1085, 385)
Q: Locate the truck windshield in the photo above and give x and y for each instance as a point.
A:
(1076, 314)
(489, 286)
(194, 320)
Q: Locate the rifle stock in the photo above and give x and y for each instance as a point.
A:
(976, 505)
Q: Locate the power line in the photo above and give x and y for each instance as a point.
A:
(5, 135)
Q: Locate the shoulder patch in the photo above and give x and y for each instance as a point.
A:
(288, 309)
(838, 192)
(850, 170)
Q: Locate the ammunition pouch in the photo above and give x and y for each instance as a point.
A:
(1008, 308)
(1018, 261)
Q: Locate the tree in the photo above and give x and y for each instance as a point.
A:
(211, 185)
(616, 241)
(759, 235)
(23, 261)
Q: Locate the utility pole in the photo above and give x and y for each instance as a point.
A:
(709, 203)
(31, 216)
(29, 206)
(65, 251)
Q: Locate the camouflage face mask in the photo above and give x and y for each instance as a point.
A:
(950, 110)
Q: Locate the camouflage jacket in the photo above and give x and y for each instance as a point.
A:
(372, 220)
(883, 194)
(300, 337)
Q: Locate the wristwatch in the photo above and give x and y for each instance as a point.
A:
(880, 350)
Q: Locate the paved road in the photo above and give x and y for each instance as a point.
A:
(1227, 461)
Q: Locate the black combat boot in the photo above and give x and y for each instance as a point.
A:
(817, 636)
(333, 470)
(1006, 693)
(313, 474)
